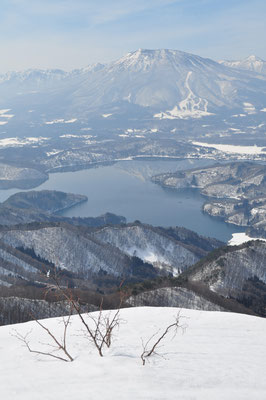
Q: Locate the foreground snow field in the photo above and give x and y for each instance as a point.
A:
(218, 356)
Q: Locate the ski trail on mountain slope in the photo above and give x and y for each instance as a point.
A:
(191, 107)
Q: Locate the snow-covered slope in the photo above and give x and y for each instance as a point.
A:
(150, 245)
(157, 84)
(251, 63)
(173, 297)
(63, 245)
(228, 271)
(220, 356)
(24, 178)
(176, 84)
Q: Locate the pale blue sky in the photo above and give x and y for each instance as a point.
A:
(73, 33)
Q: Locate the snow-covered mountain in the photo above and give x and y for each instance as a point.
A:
(251, 63)
(154, 84)
(170, 84)
(218, 356)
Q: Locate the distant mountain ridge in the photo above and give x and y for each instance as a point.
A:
(157, 84)
(251, 63)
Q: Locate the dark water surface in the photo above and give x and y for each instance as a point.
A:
(125, 189)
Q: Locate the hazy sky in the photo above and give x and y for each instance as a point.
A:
(73, 33)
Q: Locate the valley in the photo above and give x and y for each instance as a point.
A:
(132, 200)
(125, 188)
(139, 180)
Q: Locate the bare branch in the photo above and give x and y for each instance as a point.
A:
(102, 332)
(27, 344)
(148, 351)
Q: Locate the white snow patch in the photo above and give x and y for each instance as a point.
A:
(249, 108)
(69, 135)
(218, 356)
(70, 121)
(61, 121)
(239, 115)
(53, 152)
(149, 255)
(232, 149)
(241, 237)
(263, 109)
(106, 115)
(4, 111)
(55, 121)
(3, 114)
(16, 142)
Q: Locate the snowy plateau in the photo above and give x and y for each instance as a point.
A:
(214, 355)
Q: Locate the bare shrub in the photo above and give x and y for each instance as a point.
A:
(58, 344)
(100, 330)
(152, 344)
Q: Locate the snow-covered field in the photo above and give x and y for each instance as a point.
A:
(16, 142)
(232, 149)
(241, 237)
(61, 121)
(220, 356)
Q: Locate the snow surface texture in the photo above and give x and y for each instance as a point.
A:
(220, 356)
(241, 237)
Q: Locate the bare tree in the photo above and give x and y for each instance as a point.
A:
(149, 348)
(98, 328)
(58, 344)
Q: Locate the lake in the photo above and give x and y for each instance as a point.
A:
(124, 188)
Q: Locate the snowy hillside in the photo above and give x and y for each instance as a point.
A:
(219, 356)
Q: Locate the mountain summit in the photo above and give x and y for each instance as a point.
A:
(251, 63)
(145, 84)
(169, 84)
